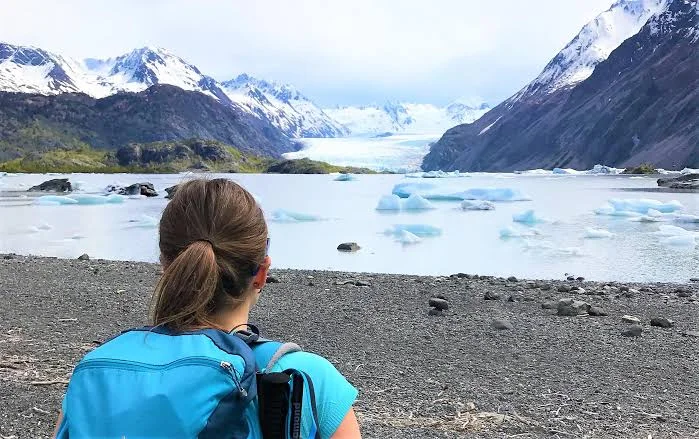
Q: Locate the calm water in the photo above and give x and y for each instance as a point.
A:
(470, 241)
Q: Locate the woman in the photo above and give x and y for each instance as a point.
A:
(213, 245)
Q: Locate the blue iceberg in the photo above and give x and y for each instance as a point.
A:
(420, 230)
(288, 216)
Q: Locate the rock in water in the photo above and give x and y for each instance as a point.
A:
(661, 322)
(630, 319)
(84, 257)
(687, 181)
(502, 325)
(596, 311)
(632, 331)
(572, 307)
(171, 191)
(438, 303)
(54, 185)
(490, 295)
(348, 247)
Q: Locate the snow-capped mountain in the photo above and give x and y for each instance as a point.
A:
(284, 105)
(32, 70)
(592, 45)
(396, 117)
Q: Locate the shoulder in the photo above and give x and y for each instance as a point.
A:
(317, 367)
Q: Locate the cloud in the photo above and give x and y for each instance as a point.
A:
(335, 51)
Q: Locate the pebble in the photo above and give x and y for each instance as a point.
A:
(694, 279)
(435, 312)
(572, 307)
(552, 304)
(439, 303)
(272, 280)
(661, 322)
(360, 283)
(630, 319)
(502, 325)
(580, 278)
(683, 292)
(690, 334)
(512, 279)
(624, 288)
(596, 311)
(8, 257)
(564, 289)
(348, 247)
(489, 295)
(632, 331)
(84, 257)
(570, 278)
(546, 287)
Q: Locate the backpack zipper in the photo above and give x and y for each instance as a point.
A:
(224, 367)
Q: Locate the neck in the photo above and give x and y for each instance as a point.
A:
(233, 319)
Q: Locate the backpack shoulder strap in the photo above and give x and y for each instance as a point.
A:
(267, 352)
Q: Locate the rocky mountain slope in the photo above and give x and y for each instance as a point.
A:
(638, 105)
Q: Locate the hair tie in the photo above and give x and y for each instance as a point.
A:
(205, 240)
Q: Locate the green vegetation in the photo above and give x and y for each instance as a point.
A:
(165, 157)
(644, 168)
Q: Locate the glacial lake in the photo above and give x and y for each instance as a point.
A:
(656, 247)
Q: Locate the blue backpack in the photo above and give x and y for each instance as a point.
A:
(152, 383)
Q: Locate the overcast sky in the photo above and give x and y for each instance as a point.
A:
(334, 51)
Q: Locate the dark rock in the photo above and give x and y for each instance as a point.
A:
(272, 279)
(360, 283)
(54, 185)
(171, 191)
(500, 325)
(694, 279)
(545, 287)
(571, 307)
(435, 312)
(686, 181)
(84, 257)
(8, 256)
(552, 304)
(564, 289)
(311, 284)
(661, 322)
(570, 278)
(512, 279)
(439, 303)
(463, 276)
(348, 247)
(580, 278)
(684, 292)
(596, 311)
(146, 189)
(624, 288)
(632, 331)
(490, 295)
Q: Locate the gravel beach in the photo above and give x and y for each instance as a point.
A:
(419, 375)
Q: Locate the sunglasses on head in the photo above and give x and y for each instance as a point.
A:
(257, 269)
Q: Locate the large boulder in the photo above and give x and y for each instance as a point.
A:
(686, 181)
(54, 185)
(146, 189)
(572, 307)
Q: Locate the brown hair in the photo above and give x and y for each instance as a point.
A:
(213, 237)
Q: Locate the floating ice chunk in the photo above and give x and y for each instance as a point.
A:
(404, 190)
(345, 177)
(493, 194)
(54, 200)
(511, 232)
(405, 237)
(604, 170)
(642, 205)
(609, 210)
(77, 237)
(688, 240)
(420, 230)
(39, 228)
(88, 200)
(646, 219)
(144, 222)
(666, 230)
(116, 199)
(389, 202)
(416, 202)
(477, 205)
(597, 233)
(288, 216)
(528, 217)
(566, 171)
(686, 218)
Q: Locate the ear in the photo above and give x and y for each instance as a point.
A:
(260, 279)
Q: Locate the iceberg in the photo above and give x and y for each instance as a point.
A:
(477, 205)
(404, 190)
(667, 230)
(528, 217)
(144, 222)
(288, 216)
(405, 237)
(416, 202)
(686, 218)
(680, 240)
(609, 211)
(420, 230)
(493, 194)
(566, 171)
(591, 233)
(91, 200)
(54, 200)
(345, 177)
(389, 202)
(642, 205)
(511, 232)
(646, 219)
(604, 170)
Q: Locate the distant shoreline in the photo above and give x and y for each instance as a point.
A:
(419, 376)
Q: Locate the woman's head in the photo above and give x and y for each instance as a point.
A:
(213, 241)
